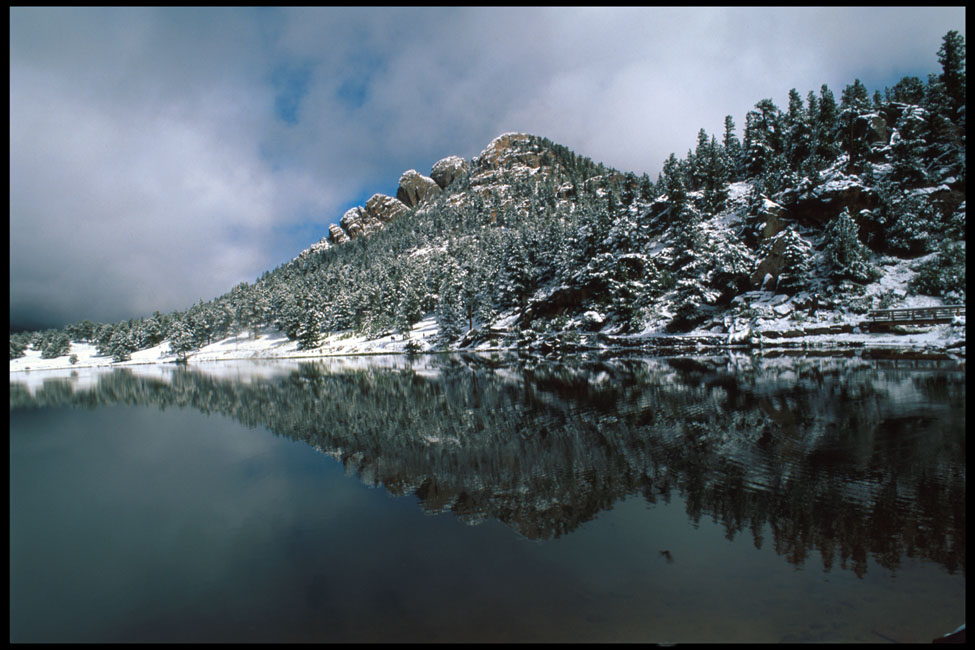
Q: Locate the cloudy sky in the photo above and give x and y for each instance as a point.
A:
(161, 156)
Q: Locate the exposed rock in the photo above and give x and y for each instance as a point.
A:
(507, 149)
(415, 188)
(351, 222)
(819, 206)
(875, 128)
(782, 310)
(336, 235)
(384, 208)
(319, 246)
(447, 170)
(775, 221)
(768, 269)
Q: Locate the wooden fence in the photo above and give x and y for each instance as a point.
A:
(915, 315)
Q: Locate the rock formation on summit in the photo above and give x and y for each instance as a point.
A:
(414, 188)
(447, 170)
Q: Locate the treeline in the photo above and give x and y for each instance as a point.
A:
(579, 245)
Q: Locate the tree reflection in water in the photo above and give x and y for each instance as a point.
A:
(835, 457)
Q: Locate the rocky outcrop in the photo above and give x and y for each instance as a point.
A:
(819, 206)
(509, 150)
(447, 170)
(775, 221)
(506, 159)
(415, 188)
(336, 235)
(384, 209)
(351, 222)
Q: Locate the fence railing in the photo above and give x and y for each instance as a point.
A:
(915, 314)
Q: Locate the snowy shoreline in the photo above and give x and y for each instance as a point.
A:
(273, 346)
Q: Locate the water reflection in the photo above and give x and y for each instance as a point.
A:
(838, 459)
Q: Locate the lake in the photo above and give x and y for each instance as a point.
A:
(730, 498)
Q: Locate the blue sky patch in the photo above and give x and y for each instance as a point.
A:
(291, 82)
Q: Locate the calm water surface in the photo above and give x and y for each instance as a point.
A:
(723, 499)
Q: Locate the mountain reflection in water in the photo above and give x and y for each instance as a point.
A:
(840, 458)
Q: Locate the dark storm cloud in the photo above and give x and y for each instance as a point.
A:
(160, 156)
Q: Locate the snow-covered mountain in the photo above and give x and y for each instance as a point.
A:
(818, 214)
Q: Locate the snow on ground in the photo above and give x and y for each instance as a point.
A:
(770, 312)
(269, 344)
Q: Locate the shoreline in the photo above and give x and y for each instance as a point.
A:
(271, 346)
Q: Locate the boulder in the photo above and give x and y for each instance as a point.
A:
(775, 221)
(351, 222)
(415, 188)
(875, 129)
(336, 235)
(820, 205)
(448, 169)
(384, 208)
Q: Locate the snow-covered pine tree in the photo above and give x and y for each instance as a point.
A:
(907, 149)
(17, 347)
(449, 312)
(713, 166)
(798, 132)
(825, 126)
(56, 344)
(121, 344)
(732, 150)
(944, 274)
(181, 339)
(951, 55)
(794, 276)
(846, 255)
(913, 223)
(763, 136)
(909, 90)
(408, 311)
(854, 106)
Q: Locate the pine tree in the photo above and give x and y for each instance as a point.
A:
(57, 344)
(798, 132)
(713, 167)
(907, 149)
(909, 90)
(732, 149)
(103, 338)
(181, 339)
(17, 348)
(408, 311)
(796, 253)
(951, 55)
(449, 313)
(913, 224)
(847, 257)
(121, 345)
(825, 126)
(699, 162)
(763, 136)
(854, 104)
(944, 275)
(674, 184)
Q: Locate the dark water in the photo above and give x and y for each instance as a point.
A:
(724, 499)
